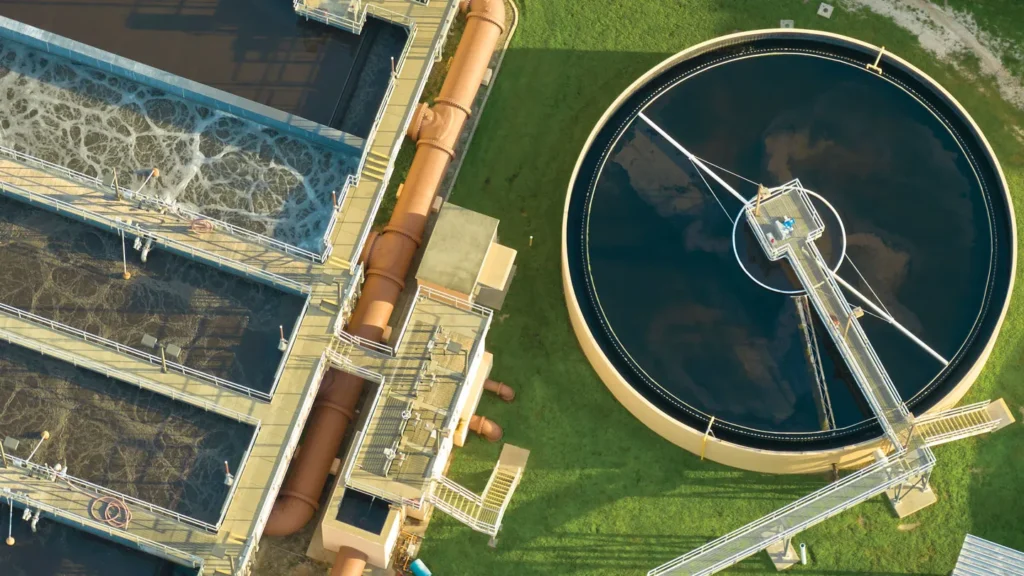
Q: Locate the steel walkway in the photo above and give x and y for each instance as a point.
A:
(786, 225)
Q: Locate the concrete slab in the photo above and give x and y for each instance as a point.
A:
(912, 500)
(783, 555)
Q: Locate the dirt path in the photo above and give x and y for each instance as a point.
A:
(947, 34)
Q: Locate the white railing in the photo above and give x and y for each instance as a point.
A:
(506, 500)
(182, 248)
(354, 16)
(343, 363)
(144, 383)
(162, 205)
(144, 544)
(288, 349)
(127, 350)
(774, 527)
(280, 469)
(473, 521)
(48, 472)
(325, 242)
(365, 344)
(421, 292)
(348, 298)
(921, 420)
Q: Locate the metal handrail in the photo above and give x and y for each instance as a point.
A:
(350, 181)
(47, 472)
(170, 553)
(135, 228)
(507, 500)
(343, 363)
(281, 467)
(464, 517)
(924, 464)
(421, 292)
(170, 207)
(348, 296)
(455, 301)
(844, 349)
(238, 476)
(366, 344)
(951, 412)
(144, 383)
(389, 15)
(288, 348)
(151, 359)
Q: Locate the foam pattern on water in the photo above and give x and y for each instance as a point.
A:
(210, 161)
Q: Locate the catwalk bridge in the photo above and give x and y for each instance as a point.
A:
(786, 225)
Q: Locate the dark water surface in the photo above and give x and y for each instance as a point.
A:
(70, 272)
(256, 49)
(674, 309)
(59, 550)
(119, 436)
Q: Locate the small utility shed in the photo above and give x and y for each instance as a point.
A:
(463, 258)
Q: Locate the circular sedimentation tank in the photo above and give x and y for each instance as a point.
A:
(679, 309)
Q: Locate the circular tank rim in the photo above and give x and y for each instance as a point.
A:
(693, 440)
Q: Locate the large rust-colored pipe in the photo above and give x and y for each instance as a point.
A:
(349, 562)
(488, 429)
(436, 130)
(504, 391)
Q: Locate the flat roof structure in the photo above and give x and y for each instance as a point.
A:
(979, 557)
(457, 248)
(399, 446)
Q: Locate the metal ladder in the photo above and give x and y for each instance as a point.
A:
(957, 423)
(482, 513)
(813, 350)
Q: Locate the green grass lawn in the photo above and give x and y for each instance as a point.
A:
(602, 494)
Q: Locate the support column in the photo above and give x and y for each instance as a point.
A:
(783, 554)
(912, 495)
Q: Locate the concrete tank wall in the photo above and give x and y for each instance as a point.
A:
(693, 440)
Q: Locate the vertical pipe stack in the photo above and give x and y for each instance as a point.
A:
(436, 131)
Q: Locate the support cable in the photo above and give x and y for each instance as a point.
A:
(727, 170)
(865, 280)
(699, 173)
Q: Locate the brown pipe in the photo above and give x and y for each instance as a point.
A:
(388, 260)
(503, 391)
(488, 429)
(333, 410)
(349, 562)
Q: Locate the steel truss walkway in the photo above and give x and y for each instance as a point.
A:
(786, 225)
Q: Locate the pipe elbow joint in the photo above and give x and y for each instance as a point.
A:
(288, 516)
(492, 11)
(488, 429)
(502, 390)
(423, 115)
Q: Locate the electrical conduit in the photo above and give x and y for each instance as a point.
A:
(436, 131)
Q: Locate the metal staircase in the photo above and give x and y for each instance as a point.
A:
(960, 423)
(376, 167)
(482, 513)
